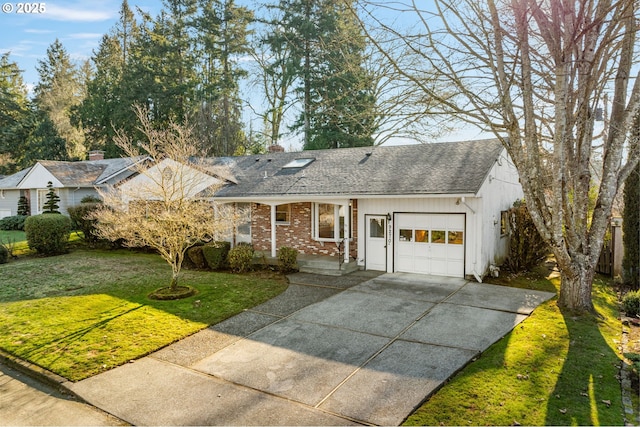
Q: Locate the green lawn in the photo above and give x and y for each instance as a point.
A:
(87, 311)
(555, 368)
(14, 240)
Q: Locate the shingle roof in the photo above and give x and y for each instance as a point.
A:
(441, 168)
(12, 181)
(75, 174)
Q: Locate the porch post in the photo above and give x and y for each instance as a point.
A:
(273, 231)
(347, 219)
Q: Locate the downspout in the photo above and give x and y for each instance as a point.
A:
(478, 238)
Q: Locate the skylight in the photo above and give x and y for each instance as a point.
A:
(298, 163)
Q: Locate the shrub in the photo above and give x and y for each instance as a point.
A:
(241, 258)
(287, 259)
(91, 199)
(23, 206)
(526, 246)
(215, 254)
(48, 233)
(4, 254)
(51, 205)
(631, 303)
(196, 256)
(15, 222)
(80, 221)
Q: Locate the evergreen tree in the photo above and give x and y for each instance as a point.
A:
(51, 205)
(14, 114)
(111, 93)
(43, 142)
(58, 92)
(23, 206)
(631, 230)
(327, 54)
(223, 29)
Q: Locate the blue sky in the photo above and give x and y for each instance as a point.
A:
(78, 24)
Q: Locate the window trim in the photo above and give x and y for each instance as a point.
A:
(42, 201)
(287, 220)
(504, 223)
(337, 228)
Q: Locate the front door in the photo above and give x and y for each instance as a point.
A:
(376, 245)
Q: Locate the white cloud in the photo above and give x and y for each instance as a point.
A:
(37, 31)
(76, 14)
(84, 36)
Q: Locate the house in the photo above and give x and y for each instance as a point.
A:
(429, 208)
(71, 180)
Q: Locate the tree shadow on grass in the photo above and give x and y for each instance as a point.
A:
(584, 393)
(60, 345)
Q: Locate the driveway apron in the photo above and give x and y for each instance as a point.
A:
(368, 354)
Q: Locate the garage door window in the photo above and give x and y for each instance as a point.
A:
(406, 235)
(422, 236)
(438, 236)
(456, 237)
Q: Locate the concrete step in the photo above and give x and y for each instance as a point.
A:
(328, 269)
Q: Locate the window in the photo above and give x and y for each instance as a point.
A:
(406, 235)
(244, 227)
(437, 236)
(455, 237)
(422, 236)
(42, 198)
(298, 163)
(504, 223)
(283, 214)
(329, 221)
(376, 227)
(326, 221)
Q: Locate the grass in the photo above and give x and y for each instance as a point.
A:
(87, 311)
(14, 240)
(555, 368)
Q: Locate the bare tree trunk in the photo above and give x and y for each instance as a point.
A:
(576, 276)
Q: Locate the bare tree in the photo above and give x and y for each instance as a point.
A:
(534, 72)
(168, 205)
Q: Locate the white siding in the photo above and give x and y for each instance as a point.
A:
(9, 202)
(499, 191)
(420, 205)
(483, 243)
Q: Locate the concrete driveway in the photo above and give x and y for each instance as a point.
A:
(368, 354)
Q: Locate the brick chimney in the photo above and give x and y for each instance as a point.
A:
(275, 148)
(96, 155)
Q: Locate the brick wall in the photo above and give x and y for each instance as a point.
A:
(296, 234)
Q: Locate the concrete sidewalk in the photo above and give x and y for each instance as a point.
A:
(355, 349)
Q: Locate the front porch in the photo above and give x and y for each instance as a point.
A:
(317, 264)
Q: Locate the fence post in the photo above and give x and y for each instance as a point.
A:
(617, 247)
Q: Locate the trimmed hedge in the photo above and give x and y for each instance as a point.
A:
(631, 303)
(15, 222)
(241, 258)
(48, 233)
(287, 259)
(215, 254)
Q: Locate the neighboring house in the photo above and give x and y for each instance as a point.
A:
(72, 181)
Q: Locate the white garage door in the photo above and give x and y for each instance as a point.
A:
(430, 244)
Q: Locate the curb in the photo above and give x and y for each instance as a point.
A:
(38, 373)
